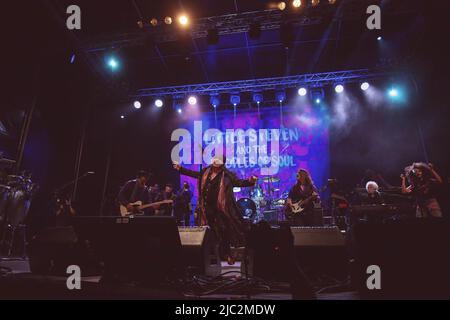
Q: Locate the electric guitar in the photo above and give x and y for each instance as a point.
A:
(298, 207)
(139, 207)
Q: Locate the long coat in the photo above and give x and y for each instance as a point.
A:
(226, 203)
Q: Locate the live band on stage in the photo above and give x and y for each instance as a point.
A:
(260, 199)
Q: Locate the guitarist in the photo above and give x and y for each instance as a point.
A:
(303, 192)
(135, 190)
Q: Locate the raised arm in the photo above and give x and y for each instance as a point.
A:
(187, 172)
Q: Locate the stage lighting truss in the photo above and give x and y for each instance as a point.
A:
(228, 24)
(264, 84)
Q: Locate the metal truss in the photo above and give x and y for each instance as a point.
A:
(309, 80)
(225, 25)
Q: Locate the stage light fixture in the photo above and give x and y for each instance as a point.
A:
(113, 64)
(192, 100)
(365, 86)
(122, 117)
(258, 97)
(215, 101)
(140, 24)
(318, 101)
(339, 88)
(137, 104)
(280, 96)
(297, 3)
(331, 1)
(183, 20)
(379, 38)
(235, 99)
(168, 20)
(315, 3)
(393, 93)
(302, 92)
(180, 111)
(159, 103)
(282, 5)
(154, 22)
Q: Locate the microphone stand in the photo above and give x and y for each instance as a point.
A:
(70, 183)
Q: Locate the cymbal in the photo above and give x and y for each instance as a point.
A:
(271, 179)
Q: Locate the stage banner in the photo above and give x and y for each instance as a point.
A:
(266, 143)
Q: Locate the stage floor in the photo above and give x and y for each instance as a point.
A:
(20, 284)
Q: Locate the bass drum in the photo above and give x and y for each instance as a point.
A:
(18, 206)
(248, 208)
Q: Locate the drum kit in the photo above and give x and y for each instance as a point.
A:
(16, 192)
(262, 200)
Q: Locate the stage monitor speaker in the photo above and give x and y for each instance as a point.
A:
(413, 259)
(271, 257)
(53, 249)
(146, 250)
(200, 251)
(321, 251)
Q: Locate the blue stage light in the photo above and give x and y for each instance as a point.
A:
(393, 93)
(215, 101)
(235, 99)
(113, 64)
(318, 101)
(280, 96)
(258, 97)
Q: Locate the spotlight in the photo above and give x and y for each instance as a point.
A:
(365, 86)
(318, 101)
(302, 92)
(179, 111)
(282, 5)
(379, 38)
(258, 97)
(339, 88)
(235, 99)
(393, 93)
(331, 1)
(154, 22)
(140, 24)
(122, 117)
(297, 3)
(168, 20)
(215, 101)
(315, 3)
(280, 96)
(137, 104)
(183, 20)
(159, 103)
(113, 64)
(192, 100)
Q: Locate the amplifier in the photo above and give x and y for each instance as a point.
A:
(317, 237)
(200, 250)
